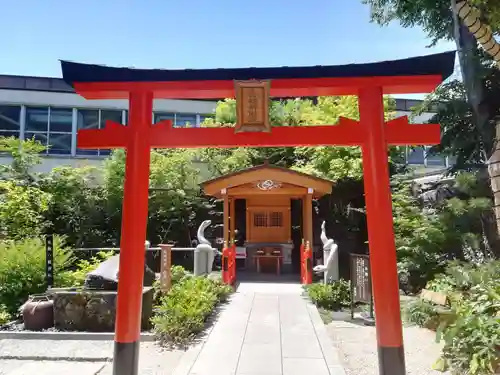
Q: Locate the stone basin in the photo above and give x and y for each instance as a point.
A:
(93, 310)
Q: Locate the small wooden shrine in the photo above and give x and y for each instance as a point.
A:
(267, 192)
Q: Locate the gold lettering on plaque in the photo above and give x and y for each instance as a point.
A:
(252, 106)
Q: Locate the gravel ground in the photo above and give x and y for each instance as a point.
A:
(358, 346)
(86, 357)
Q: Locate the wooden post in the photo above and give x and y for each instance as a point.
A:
(133, 235)
(226, 217)
(49, 260)
(304, 220)
(308, 221)
(232, 217)
(383, 263)
(166, 264)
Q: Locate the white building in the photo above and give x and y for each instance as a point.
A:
(418, 157)
(50, 111)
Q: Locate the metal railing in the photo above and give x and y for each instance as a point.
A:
(118, 249)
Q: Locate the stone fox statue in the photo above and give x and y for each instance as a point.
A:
(201, 233)
(204, 254)
(330, 268)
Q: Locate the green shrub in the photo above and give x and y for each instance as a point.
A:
(221, 290)
(22, 269)
(22, 210)
(472, 341)
(182, 312)
(4, 315)
(472, 334)
(76, 277)
(330, 296)
(178, 274)
(422, 313)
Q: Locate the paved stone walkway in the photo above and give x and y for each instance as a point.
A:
(266, 329)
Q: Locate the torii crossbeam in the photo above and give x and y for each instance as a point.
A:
(368, 81)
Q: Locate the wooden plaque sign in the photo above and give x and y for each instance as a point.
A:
(166, 263)
(360, 278)
(252, 106)
(361, 282)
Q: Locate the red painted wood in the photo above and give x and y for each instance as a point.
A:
(380, 221)
(135, 216)
(279, 87)
(346, 133)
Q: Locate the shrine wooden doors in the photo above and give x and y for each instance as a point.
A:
(268, 220)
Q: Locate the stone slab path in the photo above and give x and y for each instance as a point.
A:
(266, 329)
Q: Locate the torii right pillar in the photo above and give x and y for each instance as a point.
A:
(383, 264)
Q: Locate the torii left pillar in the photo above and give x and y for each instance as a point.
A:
(133, 234)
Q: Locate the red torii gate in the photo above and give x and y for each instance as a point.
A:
(368, 81)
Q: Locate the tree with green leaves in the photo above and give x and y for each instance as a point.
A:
(85, 204)
(22, 204)
(426, 239)
(467, 108)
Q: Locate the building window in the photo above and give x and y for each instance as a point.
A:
(37, 120)
(276, 219)
(88, 119)
(60, 124)
(181, 120)
(51, 127)
(268, 219)
(416, 156)
(10, 125)
(435, 160)
(204, 117)
(185, 120)
(96, 119)
(260, 219)
(162, 116)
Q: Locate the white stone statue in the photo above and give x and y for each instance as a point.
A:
(330, 268)
(204, 254)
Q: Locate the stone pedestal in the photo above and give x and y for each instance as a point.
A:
(93, 310)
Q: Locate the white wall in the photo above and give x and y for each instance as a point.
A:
(51, 162)
(420, 119)
(73, 100)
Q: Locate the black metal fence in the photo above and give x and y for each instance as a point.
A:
(182, 256)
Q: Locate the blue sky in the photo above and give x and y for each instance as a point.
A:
(35, 34)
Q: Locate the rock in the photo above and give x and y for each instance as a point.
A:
(93, 310)
(105, 276)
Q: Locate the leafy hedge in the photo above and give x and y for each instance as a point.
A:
(76, 276)
(22, 270)
(472, 338)
(332, 296)
(183, 311)
(4, 315)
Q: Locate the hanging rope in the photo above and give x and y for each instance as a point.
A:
(482, 32)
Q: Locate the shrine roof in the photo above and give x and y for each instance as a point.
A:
(263, 172)
(439, 66)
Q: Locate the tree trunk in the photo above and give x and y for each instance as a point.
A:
(472, 75)
(494, 173)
